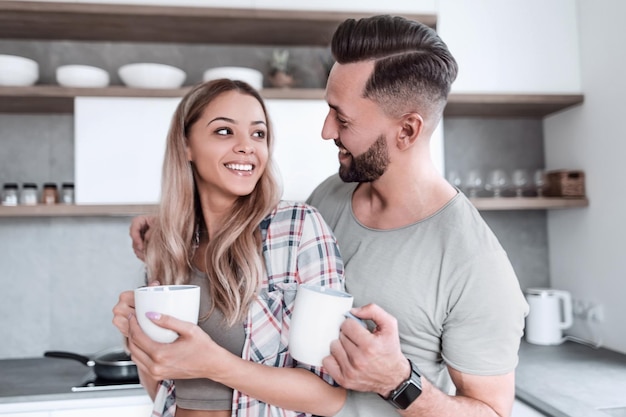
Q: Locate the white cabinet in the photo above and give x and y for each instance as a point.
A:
(119, 406)
(366, 6)
(528, 46)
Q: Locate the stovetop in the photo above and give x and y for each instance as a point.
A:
(92, 383)
(53, 376)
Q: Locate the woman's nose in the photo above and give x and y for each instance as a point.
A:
(244, 146)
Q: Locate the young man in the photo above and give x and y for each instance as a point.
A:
(421, 263)
(419, 259)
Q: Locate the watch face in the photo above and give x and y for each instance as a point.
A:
(408, 395)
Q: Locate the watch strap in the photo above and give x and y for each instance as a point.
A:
(408, 391)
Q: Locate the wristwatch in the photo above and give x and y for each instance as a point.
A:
(408, 391)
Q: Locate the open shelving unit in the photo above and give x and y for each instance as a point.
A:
(52, 20)
(112, 210)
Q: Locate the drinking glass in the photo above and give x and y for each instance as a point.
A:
(473, 182)
(521, 181)
(497, 181)
(539, 179)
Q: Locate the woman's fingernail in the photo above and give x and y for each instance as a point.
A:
(153, 315)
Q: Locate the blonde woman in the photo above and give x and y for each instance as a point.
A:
(221, 225)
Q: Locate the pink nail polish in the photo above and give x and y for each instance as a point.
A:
(153, 315)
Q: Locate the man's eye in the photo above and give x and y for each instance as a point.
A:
(341, 121)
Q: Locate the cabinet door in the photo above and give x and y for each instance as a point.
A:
(124, 411)
(374, 6)
(27, 414)
(528, 46)
(119, 147)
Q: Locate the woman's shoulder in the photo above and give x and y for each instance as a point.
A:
(287, 213)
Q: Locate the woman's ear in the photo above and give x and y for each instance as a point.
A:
(411, 125)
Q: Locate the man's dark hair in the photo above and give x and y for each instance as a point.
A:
(414, 68)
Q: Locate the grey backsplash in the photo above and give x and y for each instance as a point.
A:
(61, 276)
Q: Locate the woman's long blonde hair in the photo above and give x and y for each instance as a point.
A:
(233, 259)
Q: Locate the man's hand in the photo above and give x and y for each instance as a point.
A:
(369, 362)
(140, 234)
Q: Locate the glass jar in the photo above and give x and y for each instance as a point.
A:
(67, 193)
(9, 194)
(50, 194)
(28, 195)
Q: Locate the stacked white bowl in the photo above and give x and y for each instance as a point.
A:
(249, 75)
(81, 76)
(150, 75)
(18, 71)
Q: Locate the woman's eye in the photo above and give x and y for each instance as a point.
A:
(259, 134)
(224, 131)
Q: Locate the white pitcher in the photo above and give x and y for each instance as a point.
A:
(550, 314)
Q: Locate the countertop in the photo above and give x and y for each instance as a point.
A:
(572, 380)
(568, 380)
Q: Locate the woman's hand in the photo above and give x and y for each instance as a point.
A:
(193, 355)
(140, 234)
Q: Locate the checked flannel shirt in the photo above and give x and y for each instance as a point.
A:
(298, 247)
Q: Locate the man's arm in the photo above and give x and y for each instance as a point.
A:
(140, 233)
(374, 362)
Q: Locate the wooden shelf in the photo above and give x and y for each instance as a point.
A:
(528, 203)
(56, 99)
(143, 23)
(76, 210)
(87, 210)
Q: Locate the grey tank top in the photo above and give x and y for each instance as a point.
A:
(204, 394)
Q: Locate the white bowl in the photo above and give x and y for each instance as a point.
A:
(249, 75)
(82, 76)
(18, 71)
(148, 75)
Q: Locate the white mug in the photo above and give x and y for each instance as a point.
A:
(317, 315)
(180, 301)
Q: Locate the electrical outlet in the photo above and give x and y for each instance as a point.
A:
(588, 311)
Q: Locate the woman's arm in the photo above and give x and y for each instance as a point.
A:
(290, 388)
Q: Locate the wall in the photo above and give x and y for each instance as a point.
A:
(587, 250)
(65, 273)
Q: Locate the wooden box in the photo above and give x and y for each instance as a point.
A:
(565, 183)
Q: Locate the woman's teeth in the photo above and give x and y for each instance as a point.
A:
(239, 167)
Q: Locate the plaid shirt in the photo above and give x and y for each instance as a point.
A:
(298, 247)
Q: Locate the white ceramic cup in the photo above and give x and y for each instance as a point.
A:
(180, 301)
(317, 315)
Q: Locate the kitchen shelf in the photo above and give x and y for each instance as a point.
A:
(528, 203)
(76, 210)
(107, 210)
(146, 23)
(57, 99)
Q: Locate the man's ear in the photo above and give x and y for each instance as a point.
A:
(411, 125)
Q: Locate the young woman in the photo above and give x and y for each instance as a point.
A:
(221, 225)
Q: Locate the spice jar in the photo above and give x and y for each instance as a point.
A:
(9, 194)
(50, 194)
(28, 195)
(67, 193)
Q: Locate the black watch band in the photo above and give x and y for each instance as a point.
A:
(408, 391)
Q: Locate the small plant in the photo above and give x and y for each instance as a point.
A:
(279, 69)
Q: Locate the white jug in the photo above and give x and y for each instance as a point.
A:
(550, 313)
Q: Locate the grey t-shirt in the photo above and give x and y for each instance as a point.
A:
(447, 281)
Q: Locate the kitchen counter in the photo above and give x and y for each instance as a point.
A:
(569, 380)
(572, 380)
(52, 379)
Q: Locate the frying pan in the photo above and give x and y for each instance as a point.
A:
(112, 364)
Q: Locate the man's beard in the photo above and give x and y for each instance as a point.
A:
(368, 166)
